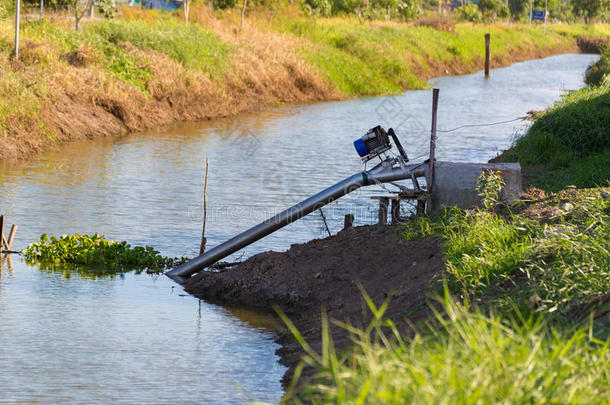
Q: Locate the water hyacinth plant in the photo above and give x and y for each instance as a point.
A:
(95, 251)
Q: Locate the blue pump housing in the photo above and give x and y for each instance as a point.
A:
(361, 147)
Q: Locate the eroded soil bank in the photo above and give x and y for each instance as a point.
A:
(328, 273)
(135, 74)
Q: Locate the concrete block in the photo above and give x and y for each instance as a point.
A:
(455, 183)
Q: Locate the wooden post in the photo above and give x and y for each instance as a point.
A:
(383, 211)
(41, 9)
(349, 221)
(395, 211)
(487, 55)
(11, 236)
(17, 16)
(421, 207)
(432, 158)
(1, 231)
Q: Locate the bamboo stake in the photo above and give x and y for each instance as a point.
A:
(205, 189)
(11, 236)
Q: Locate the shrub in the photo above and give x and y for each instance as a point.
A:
(599, 72)
(469, 12)
(107, 8)
(6, 9)
(493, 9)
(224, 4)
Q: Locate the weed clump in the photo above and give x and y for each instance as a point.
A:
(94, 251)
(461, 357)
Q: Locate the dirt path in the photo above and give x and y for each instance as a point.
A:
(327, 273)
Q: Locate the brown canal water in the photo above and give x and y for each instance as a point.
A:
(138, 338)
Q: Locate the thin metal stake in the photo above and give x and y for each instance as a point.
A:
(17, 14)
(432, 158)
(205, 213)
(324, 220)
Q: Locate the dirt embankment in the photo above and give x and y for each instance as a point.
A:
(79, 99)
(75, 96)
(327, 273)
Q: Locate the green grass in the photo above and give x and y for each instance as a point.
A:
(570, 141)
(532, 337)
(369, 59)
(118, 52)
(465, 358)
(562, 263)
(599, 72)
(193, 45)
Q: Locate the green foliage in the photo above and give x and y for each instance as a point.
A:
(599, 73)
(493, 9)
(364, 59)
(590, 9)
(566, 136)
(224, 4)
(107, 8)
(96, 252)
(409, 10)
(489, 186)
(589, 171)
(560, 264)
(405, 10)
(192, 45)
(469, 12)
(464, 357)
(5, 9)
(322, 8)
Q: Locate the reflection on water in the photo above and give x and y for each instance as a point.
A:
(130, 338)
(133, 338)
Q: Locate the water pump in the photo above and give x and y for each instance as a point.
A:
(375, 142)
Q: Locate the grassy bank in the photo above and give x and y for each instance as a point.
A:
(533, 324)
(148, 69)
(526, 310)
(599, 73)
(569, 144)
(373, 59)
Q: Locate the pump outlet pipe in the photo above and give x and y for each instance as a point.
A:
(382, 173)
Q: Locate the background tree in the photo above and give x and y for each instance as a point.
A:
(493, 9)
(187, 6)
(589, 9)
(469, 12)
(80, 9)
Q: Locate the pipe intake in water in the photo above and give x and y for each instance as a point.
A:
(382, 173)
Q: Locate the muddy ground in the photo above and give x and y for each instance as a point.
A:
(327, 273)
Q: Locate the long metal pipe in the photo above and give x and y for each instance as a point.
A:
(382, 173)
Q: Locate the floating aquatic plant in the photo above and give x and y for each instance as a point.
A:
(95, 252)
